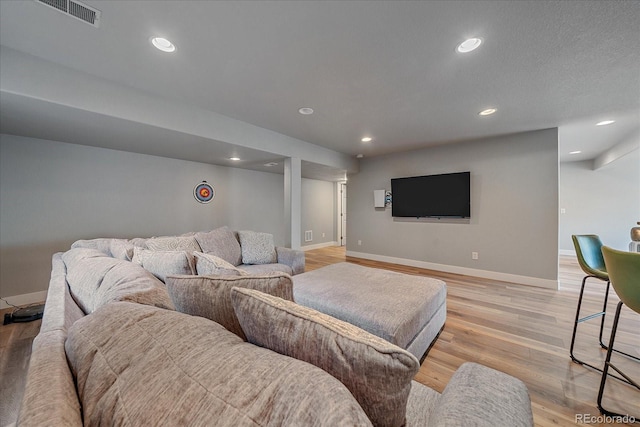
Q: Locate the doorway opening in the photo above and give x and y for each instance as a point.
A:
(342, 214)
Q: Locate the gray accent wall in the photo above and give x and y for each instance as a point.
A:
(53, 193)
(514, 207)
(318, 211)
(605, 201)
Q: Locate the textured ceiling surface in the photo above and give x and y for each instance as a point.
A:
(385, 69)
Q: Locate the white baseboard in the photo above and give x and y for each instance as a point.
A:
(24, 299)
(570, 252)
(485, 274)
(318, 246)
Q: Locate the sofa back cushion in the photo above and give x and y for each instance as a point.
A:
(96, 279)
(86, 268)
(172, 243)
(163, 263)
(221, 242)
(377, 373)
(117, 248)
(210, 296)
(208, 375)
(101, 244)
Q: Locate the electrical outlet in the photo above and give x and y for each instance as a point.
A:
(563, 210)
(323, 234)
(359, 242)
(474, 255)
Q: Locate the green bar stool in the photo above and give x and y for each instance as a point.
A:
(589, 252)
(624, 271)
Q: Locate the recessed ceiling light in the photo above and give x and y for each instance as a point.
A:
(163, 44)
(359, 156)
(575, 152)
(487, 112)
(306, 111)
(234, 159)
(367, 139)
(605, 122)
(469, 45)
(271, 164)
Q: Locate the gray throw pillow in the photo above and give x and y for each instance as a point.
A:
(257, 248)
(377, 373)
(222, 243)
(210, 296)
(211, 265)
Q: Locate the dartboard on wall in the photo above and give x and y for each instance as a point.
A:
(203, 192)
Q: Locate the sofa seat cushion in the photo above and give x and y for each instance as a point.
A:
(377, 373)
(96, 279)
(139, 365)
(257, 248)
(481, 396)
(210, 296)
(221, 242)
(266, 268)
(422, 401)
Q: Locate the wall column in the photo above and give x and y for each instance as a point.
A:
(293, 201)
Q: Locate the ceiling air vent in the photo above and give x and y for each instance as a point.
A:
(75, 9)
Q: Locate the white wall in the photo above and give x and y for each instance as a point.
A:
(54, 193)
(514, 210)
(605, 201)
(318, 212)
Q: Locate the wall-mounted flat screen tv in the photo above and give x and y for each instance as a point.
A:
(445, 195)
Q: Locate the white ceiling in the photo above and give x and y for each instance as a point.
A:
(386, 69)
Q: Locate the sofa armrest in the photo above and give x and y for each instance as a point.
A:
(481, 396)
(61, 310)
(294, 258)
(50, 396)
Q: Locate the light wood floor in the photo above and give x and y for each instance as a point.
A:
(526, 332)
(521, 330)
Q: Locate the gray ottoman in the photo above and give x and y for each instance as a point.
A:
(408, 311)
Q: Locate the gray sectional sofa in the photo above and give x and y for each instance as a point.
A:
(257, 255)
(112, 350)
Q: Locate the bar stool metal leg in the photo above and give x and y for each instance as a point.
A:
(608, 364)
(602, 314)
(583, 319)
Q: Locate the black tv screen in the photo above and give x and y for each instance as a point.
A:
(446, 195)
